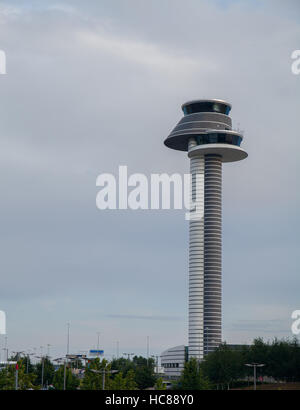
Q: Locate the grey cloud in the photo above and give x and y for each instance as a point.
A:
(93, 86)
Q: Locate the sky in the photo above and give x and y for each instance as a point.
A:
(97, 84)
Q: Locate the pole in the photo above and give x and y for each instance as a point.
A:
(117, 349)
(98, 337)
(254, 365)
(103, 380)
(68, 337)
(147, 350)
(42, 372)
(65, 375)
(17, 370)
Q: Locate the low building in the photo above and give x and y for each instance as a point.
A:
(173, 360)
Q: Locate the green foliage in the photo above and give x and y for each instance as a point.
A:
(221, 369)
(130, 380)
(142, 370)
(120, 382)
(48, 372)
(131, 375)
(8, 378)
(123, 365)
(29, 367)
(94, 381)
(192, 377)
(159, 385)
(72, 381)
(224, 366)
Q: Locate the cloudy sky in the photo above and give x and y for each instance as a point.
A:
(95, 84)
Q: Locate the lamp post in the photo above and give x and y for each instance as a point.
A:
(148, 347)
(18, 355)
(254, 365)
(43, 365)
(27, 360)
(68, 337)
(103, 371)
(64, 360)
(117, 349)
(128, 355)
(17, 371)
(48, 349)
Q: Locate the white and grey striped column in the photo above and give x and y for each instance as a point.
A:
(205, 253)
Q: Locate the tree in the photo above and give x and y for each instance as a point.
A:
(94, 381)
(142, 371)
(223, 366)
(29, 367)
(130, 383)
(123, 365)
(159, 385)
(8, 378)
(119, 382)
(48, 372)
(72, 381)
(192, 377)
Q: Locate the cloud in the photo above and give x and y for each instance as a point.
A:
(97, 85)
(149, 55)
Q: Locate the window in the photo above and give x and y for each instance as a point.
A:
(206, 106)
(218, 138)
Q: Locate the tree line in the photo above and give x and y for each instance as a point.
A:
(118, 374)
(222, 369)
(226, 366)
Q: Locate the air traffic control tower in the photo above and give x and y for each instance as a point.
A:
(205, 132)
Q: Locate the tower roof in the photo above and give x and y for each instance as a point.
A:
(212, 100)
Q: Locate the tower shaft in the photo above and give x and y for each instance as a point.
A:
(205, 256)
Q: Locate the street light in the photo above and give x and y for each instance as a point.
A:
(64, 360)
(254, 365)
(68, 337)
(128, 355)
(103, 371)
(43, 365)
